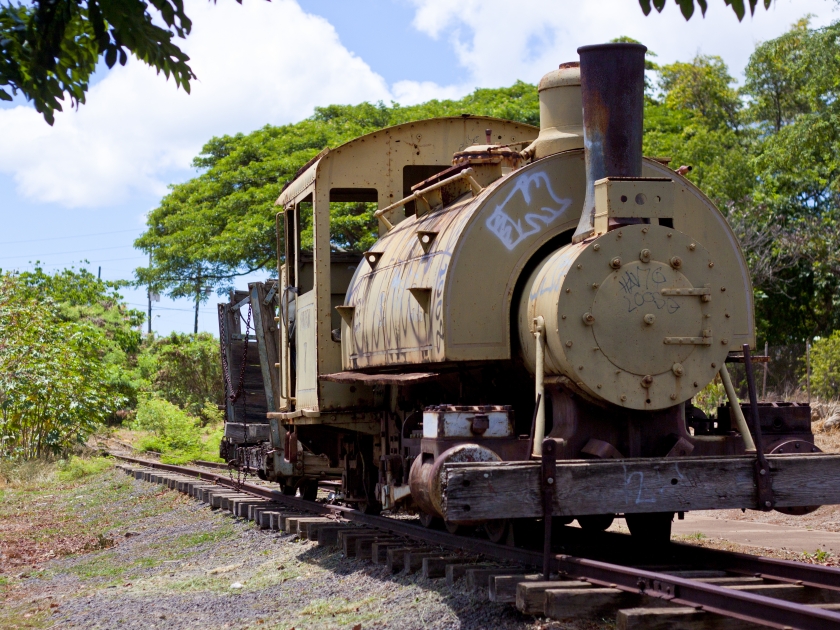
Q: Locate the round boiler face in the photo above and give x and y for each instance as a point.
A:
(648, 317)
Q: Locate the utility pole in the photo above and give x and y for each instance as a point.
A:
(149, 295)
(197, 302)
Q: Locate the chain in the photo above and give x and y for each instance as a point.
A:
(234, 396)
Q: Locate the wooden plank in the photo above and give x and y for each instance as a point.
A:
(271, 340)
(328, 535)
(482, 491)
(589, 602)
(435, 566)
(792, 593)
(503, 587)
(530, 596)
(396, 557)
(455, 572)
(670, 618)
(414, 560)
(364, 545)
(379, 550)
(266, 368)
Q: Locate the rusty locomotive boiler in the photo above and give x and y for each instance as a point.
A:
(526, 287)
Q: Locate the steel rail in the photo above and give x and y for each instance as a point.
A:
(394, 526)
(759, 609)
(789, 571)
(767, 611)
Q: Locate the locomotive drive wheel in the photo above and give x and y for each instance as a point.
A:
(497, 530)
(309, 490)
(595, 522)
(372, 508)
(430, 522)
(453, 528)
(653, 528)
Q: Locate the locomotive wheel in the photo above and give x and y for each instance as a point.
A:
(595, 522)
(369, 508)
(497, 530)
(453, 528)
(430, 522)
(309, 490)
(289, 491)
(653, 528)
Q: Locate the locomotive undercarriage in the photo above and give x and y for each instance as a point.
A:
(400, 466)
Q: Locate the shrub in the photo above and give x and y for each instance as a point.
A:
(184, 370)
(78, 467)
(54, 384)
(710, 397)
(825, 366)
(178, 436)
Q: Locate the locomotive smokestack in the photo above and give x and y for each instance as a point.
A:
(612, 80)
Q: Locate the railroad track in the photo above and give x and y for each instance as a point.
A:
(677, 586)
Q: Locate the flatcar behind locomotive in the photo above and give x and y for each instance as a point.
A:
(559, 288)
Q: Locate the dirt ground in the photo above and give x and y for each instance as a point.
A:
(107, 551)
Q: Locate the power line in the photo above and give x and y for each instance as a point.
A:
(73, 251)
(56, 238)
(79, 261)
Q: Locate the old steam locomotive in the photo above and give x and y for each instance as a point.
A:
(527, 288)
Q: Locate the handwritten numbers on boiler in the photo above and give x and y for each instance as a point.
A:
(641, 286)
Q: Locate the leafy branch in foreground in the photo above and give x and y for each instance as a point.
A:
(49, 48)
(687, 6)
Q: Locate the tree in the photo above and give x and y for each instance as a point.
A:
(184, 370)
(79, 297)
(220, 225)
(50, 48)
(54, 386)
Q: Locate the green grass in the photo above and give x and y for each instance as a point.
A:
(79, 467)
(201, 538)
(102, 566)
(340, 612)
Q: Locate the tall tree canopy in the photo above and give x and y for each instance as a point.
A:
(220, 225)
(768, 154)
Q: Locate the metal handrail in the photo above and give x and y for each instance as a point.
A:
(467, 174)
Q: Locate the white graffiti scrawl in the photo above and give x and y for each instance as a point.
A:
(511, 232)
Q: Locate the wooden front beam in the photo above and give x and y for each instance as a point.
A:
(483, 491)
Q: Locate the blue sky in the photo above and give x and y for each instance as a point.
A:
(80, 189)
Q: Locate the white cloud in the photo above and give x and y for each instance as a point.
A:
(270, 62)
(257, 63)
(499, 41)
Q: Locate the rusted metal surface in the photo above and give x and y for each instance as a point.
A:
(561, 121)
(618, 310)
(380, 379)
(427, 474)
(612, 90)
(548, 477)
(763, 479)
